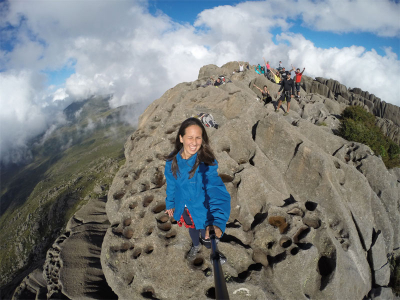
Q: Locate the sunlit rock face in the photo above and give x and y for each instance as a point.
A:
(313, 216)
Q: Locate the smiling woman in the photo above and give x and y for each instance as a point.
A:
(191, 141)
(196, 195)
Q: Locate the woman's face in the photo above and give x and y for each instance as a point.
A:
(191, 141)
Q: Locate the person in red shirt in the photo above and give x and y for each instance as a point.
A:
(298, 80)
(268, 67)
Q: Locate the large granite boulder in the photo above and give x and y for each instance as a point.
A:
(313, 216)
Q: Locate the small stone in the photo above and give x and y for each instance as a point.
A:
(280, 222)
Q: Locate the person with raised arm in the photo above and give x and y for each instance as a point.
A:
(267, 67)
(241, 67)
(284, 73)
(298, 80)
(277, 76)
(265, 94)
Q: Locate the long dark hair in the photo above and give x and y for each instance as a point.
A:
(205, 154)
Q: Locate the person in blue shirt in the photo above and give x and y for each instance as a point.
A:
(196, 195)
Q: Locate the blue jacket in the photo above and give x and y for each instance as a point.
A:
(204, 194)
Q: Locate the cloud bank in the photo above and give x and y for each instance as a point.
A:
(118, 47)
(20, 114)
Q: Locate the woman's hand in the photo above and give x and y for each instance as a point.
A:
(170, 212)
(217, 230)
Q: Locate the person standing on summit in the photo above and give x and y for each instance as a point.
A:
(284, 73)
(298, 80)
(196, 195)
(268, 67)
(280, 66)
(241, 67)
(267, 64)
(287, 86)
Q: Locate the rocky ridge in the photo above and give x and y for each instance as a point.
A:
(74, 257)
(39, 198)
(333, 89)
(313, 216)
(72, 269)
(388, 115)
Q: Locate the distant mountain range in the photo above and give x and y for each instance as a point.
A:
(39, 198)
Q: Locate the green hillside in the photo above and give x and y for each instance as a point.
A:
(75, 162)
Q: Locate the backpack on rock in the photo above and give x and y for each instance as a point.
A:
(207, 120)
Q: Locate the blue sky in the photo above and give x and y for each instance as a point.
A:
(188, 10)
(367, 40)
(59, 77)
(185, 11)
(55, 52)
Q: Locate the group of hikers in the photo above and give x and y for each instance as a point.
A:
(290, 87)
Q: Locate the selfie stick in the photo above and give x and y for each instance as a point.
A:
(221, 291)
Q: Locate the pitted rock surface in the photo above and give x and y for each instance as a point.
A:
(307, 206)
(72, 269)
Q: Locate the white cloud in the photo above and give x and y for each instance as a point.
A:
(60, 94)
(379, 17)
(20, 116)
(61, 120)
(119, 48)
(352, 66)
(90, 126)
(78, 113)
(26, 111)
(67, 145)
